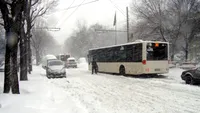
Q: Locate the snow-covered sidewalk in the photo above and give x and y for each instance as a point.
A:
(38, 96)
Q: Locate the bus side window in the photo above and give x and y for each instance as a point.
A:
(137, 53)
(129, 53)
(120, 55)
(100, 55)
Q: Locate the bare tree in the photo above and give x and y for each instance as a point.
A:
(83, 38)
(184, 22)
(33, 10)
(153, 13)
(169, 19)
(41, 40)
(11, 12)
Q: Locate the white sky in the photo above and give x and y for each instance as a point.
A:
(101, 12)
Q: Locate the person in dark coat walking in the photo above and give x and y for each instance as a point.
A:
(94, 66)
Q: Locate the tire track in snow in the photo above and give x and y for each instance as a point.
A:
(122, 94)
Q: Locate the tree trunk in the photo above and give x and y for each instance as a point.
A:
(29, 57)
(14, 75)
(172, 52)
(7, 82)
(23, 65)
(11, 16)
(37, 57)
(29, 23)
(26, 56)
(186, 55)
(186, 51)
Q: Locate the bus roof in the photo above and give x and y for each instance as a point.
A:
(136, 42)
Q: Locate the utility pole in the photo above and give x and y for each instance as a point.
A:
(116, 34)
(127, 16)
(115, 24)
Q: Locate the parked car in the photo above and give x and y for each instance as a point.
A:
(2, 65)
(187, 65)
(191, 76)
(46, 58)
(71, 62)
(55, 69)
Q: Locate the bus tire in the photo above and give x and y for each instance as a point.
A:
(122, 70)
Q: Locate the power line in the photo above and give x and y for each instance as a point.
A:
(117, 8)
(75, 10)
(67, 8)
(71, 4)
(81, 4)
(71, 7)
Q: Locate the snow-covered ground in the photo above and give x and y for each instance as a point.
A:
(82, 92)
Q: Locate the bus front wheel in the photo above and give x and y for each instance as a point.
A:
(122, 70)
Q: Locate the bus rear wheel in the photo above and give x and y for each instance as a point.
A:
(122, 70)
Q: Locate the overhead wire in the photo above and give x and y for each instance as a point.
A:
(71, 4)
(74, 11)
(68, 7)
(117, 7)
(81, 4)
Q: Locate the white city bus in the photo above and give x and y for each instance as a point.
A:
(135, 58)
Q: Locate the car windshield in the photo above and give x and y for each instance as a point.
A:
(55, 63)
(71, 61)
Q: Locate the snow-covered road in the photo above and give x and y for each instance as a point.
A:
(117, 94)
(82, 92)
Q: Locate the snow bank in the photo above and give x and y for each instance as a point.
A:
(38, 95)
(175, 75)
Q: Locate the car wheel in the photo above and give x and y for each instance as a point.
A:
(64, 76)
(48, 76)
(189, 80)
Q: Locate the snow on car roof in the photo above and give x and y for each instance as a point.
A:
(71, 58)
(136, 42)
(50, 57)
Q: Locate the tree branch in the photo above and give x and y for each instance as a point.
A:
(1, 24)
(39, 14)
(184, 48)
(36, 1)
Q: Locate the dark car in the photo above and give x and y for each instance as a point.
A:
(191, 76)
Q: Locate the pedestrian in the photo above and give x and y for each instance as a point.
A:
(94, 66)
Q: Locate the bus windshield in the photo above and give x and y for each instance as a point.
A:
(157, 51)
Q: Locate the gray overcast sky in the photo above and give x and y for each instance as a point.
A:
(101, 12)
